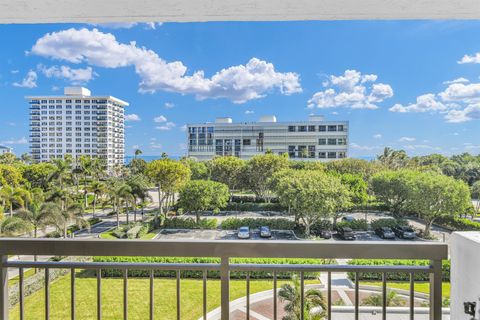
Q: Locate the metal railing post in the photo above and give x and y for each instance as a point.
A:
(225, 288)
(436, 290)
(4, 289)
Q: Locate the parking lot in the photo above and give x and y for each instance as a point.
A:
(178, 234)
(371, 236)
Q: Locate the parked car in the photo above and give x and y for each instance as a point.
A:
(244, 233)
(404, 232)
(348, 219)
(385, 233)
(265, 232)
(346, 233)
(326, 234)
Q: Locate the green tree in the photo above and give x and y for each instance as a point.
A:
(137, 153)
(393, 188)
(201, 195)
(201, 170)
(260, 169)
(358, 188)
(37, 216)
(169, 177)
(10, 176)
(435, 195)
(393, 159)
(13, 226)
(228, 170)
(115, 189)
(360, 167)
(62, 173)
(8, 158)
(139, 190)
(98, 189)
(476, 195)
(11, 197)
(38, 174)
(314, 303)
(60, 218)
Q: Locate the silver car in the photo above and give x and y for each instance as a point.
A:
(244, 233)
(265, 232)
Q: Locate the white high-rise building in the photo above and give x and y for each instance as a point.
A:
(77, 124)
(315, 139)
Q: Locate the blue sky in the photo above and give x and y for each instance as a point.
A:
(406, 84)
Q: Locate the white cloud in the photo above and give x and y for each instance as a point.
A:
(30, 80)
(425, 103)
(132, 117)
(356, 146)
(458, 80)
(75, 76)
(406, 139)
(156, 146)
(135, 146)
(128, 25)
(249, 112)
(460, 92)
(470, 58)
(14, 71)
(420, 146)
(169, 105)
(183, 128)
(377, 136)
(22, 140)
(351, 90)
(471, 112)
(160, 119)
(167, 126)
(237, 83)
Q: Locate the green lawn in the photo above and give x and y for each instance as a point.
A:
(148, 236)
(138, 295)
(423, 287)
(26, 274)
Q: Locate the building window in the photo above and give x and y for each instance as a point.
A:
(322, 128)
(332, 141)
(291, 151)
(342, 141)
(340, 127)
(322, 141)
(322, 155)
(246, 142)
(332, 128)
(302, 151)
(332, 155)
(311, 151)
(311, 128)
(341, 155)
(291, 128)
(302, 128)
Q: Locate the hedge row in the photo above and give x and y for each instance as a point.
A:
(189, 223)
(241, 198)
(458, 224)
(251, 206)
(358, 225)
(274, 223)
(210, 274)
(394, 276)
(386, 222)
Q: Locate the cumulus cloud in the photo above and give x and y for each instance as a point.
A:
(471, 112)
(132, 117)
(406, 139)
(351, 90)
(167, 126)
(129, 25)
(461, 92)
(458, 80)
(75, 76)
(249, 112)
(160, 119)
(470, 58)
(356, 146)
(237, 83)
(425, 103)
(377, 136)
(169, 105)
(22, 140)
(30, 81)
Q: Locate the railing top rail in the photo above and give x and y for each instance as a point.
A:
(226, 248)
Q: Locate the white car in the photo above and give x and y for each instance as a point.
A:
(244, 233)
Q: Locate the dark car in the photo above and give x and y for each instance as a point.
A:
(265, 232)
(348, 219)
(346, 233)
(326, 234)
(385, 233)
(404, 232)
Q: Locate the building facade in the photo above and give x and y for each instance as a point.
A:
(5, 149)
(77, 124)
(315, 139)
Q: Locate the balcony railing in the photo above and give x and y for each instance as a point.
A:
(224, 250)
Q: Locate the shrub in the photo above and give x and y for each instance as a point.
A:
(93, 221)
(146, 228)
(119, 233)
(245, 198)
(394, 276)
(211, 274)
(380, 223)
(53, 234)
(460, 224)
(252, 206)
(275, 224)
(354, 225)
(133, 232)
(189, 223)
(319, 226)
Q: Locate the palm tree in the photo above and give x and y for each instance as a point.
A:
(139, 190)
(13, 226)
(37, 216)
(376, 300)
(98, 189)
(127, 197)
(62, 171)
(60, 218)
(115, 190)
(314, 302)
(11, 196)
(137, 153)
